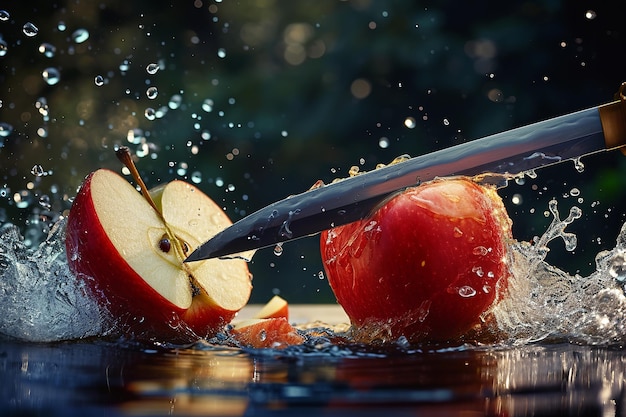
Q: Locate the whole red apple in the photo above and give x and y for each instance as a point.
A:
(427, 265)
(129, 250)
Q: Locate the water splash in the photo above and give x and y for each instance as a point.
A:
(545, 302)
(40, 298)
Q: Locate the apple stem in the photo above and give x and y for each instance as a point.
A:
(123, 154)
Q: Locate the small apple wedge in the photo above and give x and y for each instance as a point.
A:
(275, 332)
(276, 307)
(130, 253)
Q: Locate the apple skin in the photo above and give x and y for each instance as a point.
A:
(427, 265)
(273, 332)
(135, 307)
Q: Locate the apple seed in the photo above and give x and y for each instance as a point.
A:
(164, 244)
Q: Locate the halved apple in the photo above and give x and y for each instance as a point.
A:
(276, 307)
(130, 252)
(275, 332)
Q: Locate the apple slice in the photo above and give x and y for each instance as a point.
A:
(130, 252)
(276, 307)
(275, 332)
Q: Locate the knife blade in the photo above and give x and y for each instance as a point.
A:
(508, 153)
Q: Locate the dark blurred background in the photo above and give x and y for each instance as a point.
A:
(256, 100)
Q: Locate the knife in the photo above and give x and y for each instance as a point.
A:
(505, 154)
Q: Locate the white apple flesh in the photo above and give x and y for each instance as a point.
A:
(132, 258)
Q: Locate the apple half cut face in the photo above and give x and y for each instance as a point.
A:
(132, 256)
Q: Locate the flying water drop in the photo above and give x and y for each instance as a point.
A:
(80, 35)
(47, 49)
(152, 93)
(175, 101)
(150, 113)
(152, 68)
(5, 129)
(51, 75)
(580, 167)
(30, 29)
(207, 105)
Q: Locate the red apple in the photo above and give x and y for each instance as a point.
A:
(276, 307)
(427, 265)
(275, 332)
(129, 250)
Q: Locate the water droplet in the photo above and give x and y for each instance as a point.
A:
(47, 49)
(51, 76)
(80, 35)
(150, 113)
(466, 291)
(478, 271)
(531, 173)
(4, 15)
(207, 105)
(574, 192)
(580, 167)
(175, 101)
(320, 275)
(124, 66)
(457, 232)
(278, 249)
(446, 122)
(61, 26)
(44, 201)
(196, 177)
(30, 29)
(517, 199)
(480, 251)
(221, 53)
(4, 48)
(262, 335)
(152, 93)
(38, 171)
(5, 129)
(98, 80)
(590, 14)
(152, 68)
(383, 142)
(409, 122)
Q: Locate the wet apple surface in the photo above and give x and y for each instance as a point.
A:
(427, 265)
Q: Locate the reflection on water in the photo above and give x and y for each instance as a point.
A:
(74, 378)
